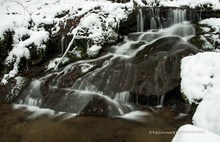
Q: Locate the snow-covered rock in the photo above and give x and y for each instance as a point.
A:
(99, 19)
(211, 35)
(201, 81)
(212, 22)
(190, 133)
(208, 112)
(94, 50)
(200, 75)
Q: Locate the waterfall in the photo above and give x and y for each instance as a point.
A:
(178, 15)
(140, 21)
(34, 97)
(160, 101)
(184, 29)
(163, 19)
(123, 97)
(155, 22)
(106, 85)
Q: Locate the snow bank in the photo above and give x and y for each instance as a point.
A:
(26, 20)
(200, 74)
(208, 111)
(190, 133)
(201, 81)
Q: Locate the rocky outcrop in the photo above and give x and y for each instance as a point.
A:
(148, 75)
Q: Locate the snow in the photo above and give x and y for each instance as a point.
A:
(52, 64)
(207, 114)
(212, 22)
(20, 82)
(208, 111)
(94, 50)
(190, 133)
(215, 4)
(211, 35)
(85, 67)
(199, 74)
(139, 2)
(99, 22)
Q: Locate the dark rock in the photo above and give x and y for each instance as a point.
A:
(96, 107)
(10, 91)
(5, 48)
(81, 102)
(158, 66)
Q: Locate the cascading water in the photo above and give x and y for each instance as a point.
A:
(140, 21)
(105, 85)
(34, 97)
(155, 22)
(157, 19)
(178, 16)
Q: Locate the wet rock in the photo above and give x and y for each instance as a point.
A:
(73, 72)
(158, 66)
(96, 107)
(83, 103)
